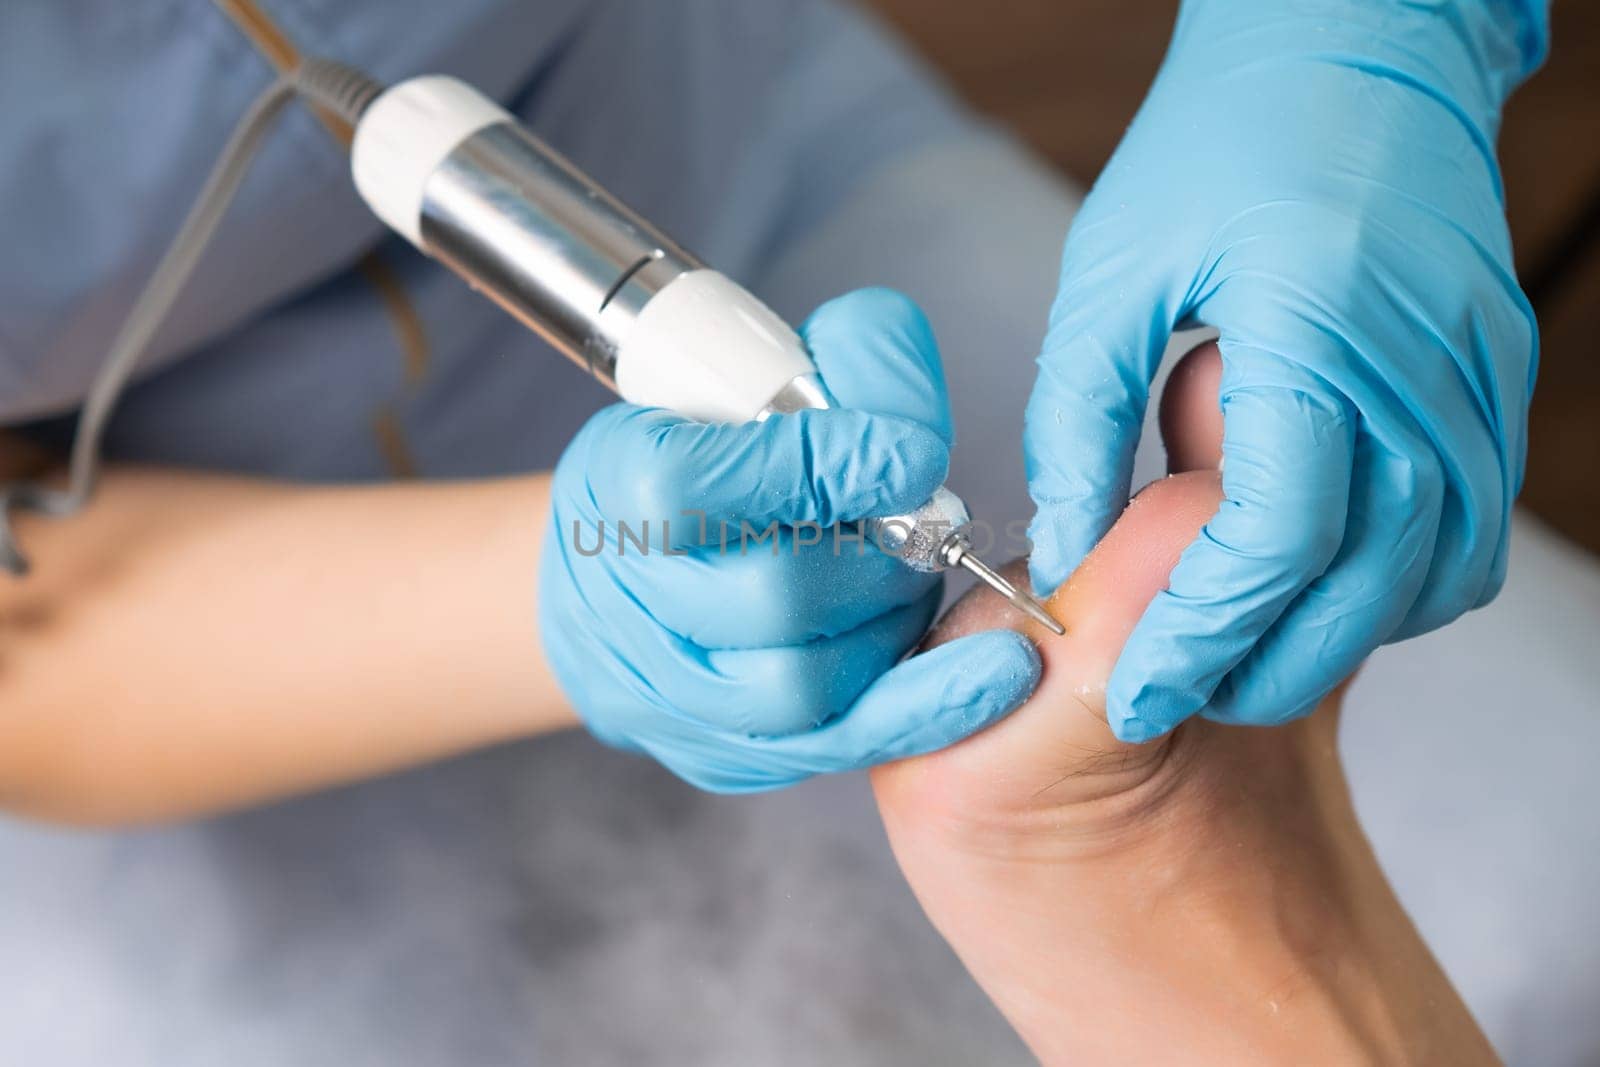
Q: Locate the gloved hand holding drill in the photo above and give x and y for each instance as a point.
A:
(745, 666)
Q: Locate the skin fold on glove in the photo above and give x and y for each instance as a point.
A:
(1316, 180)
(745, 663)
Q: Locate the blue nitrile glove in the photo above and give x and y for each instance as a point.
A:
(1316, 179)
(747, 668)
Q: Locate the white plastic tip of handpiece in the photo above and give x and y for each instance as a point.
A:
(403, 137)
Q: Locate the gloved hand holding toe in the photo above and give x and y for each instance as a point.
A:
(1338, 217)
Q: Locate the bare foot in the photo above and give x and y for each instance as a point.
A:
(1206, 897)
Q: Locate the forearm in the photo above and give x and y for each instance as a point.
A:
(192, 643)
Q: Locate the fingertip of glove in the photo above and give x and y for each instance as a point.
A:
(1233, 713)
(875, 304)
(903, 461)
(1135, 731)
(1018, 658)
(1048, 565)
(856, 464)
(869, 313)
(999, 670)
(1151, 711)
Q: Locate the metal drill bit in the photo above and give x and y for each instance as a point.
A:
(990, 577)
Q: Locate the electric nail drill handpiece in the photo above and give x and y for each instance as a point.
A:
(461, 179)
